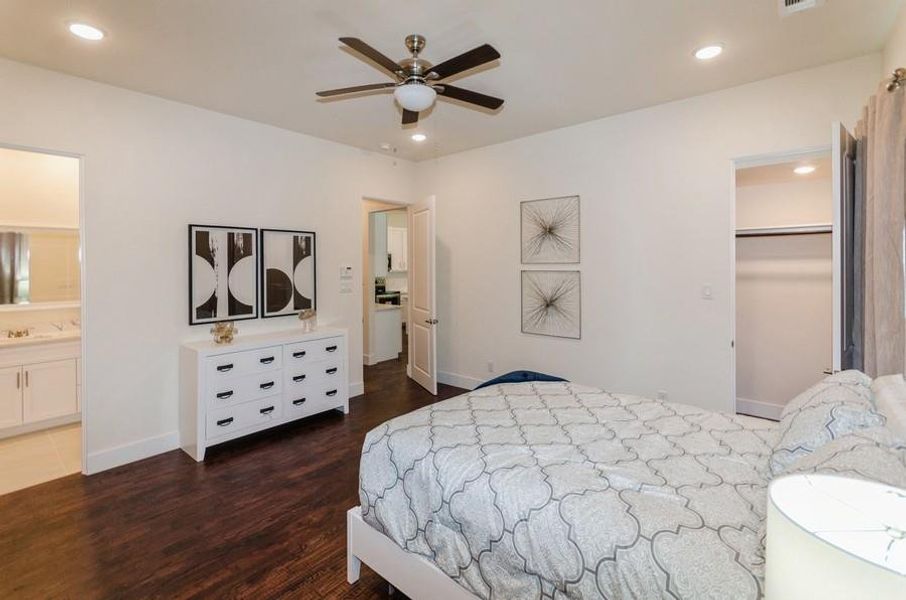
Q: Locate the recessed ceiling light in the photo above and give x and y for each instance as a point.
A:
(86, 32)
(419, 137)
(709, 52)
(804, 170)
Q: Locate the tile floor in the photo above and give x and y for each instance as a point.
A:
(34, 458)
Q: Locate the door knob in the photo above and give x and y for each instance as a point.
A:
(431, 321)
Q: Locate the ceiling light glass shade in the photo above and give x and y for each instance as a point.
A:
(804, 170)
(708, 52)
(415, 96)
(86, 32)
(419, 137)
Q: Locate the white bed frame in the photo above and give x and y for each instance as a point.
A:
(407, 572)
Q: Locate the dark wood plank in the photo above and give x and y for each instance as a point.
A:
(262, 517)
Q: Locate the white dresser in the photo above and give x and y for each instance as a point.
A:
(257, 382)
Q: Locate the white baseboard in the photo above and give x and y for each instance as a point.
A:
(356, 389)
(457, 380)
(45, 424)
(127, 453)
(755, 408)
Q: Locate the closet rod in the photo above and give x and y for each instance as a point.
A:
(781, 230)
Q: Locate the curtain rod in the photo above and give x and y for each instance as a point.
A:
(897, 79)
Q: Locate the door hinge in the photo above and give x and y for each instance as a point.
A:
(431, 321)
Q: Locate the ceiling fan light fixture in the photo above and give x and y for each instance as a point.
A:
(419, 137)
(415, 96)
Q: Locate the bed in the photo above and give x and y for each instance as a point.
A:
(558, 490)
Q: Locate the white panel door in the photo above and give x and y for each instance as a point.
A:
(10, 397)
(843, 159)
(50, 390)
(422, 297)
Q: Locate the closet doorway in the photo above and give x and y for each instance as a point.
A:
(784, 278)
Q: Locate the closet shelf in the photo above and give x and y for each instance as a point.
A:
(785, 230)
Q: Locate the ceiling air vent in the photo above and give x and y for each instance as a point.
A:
(789, 7)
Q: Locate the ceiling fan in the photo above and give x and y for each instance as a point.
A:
(418, 82)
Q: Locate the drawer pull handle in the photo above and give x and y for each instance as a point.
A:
(332, 393)
(224, 368)
(267, 411)
(299, 402)
(224, 422)
(267, 386)
(225, 395)
(331, 348)
(331, 370)
(299, 354)
(298, 378)
(266, 360)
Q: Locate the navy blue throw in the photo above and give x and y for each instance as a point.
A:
(520, 377)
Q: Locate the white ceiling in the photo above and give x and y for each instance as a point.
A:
(783, 172)
(563, 62)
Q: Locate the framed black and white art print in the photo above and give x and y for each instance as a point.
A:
(288, 282)
(550, 230)
(552, 303)
(223, 273)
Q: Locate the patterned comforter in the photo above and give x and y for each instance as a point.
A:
(556, 490)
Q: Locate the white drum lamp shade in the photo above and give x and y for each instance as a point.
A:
(833, 537)
(415, 96)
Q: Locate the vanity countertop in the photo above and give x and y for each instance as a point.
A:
(382, 307)
(40, 338)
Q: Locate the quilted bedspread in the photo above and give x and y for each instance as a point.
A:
(556, 490)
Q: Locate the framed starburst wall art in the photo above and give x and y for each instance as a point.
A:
(551, 303)
(550, 231)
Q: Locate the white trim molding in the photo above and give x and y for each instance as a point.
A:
(755, 408)
(356, 388)
(457, 380)
(117, 456)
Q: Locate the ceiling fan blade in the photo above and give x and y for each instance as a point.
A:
(355, 88)
(465, 61)
(366, 50)
(409, 117)
(458, 93)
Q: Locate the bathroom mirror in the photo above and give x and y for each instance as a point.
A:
(39, 266)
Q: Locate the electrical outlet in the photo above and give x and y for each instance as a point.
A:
(662, 394)
(490, 366)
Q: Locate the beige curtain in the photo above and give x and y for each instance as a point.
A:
(881, 136)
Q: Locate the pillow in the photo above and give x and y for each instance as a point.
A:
(838, 405)
(875, 454)
(889, 394)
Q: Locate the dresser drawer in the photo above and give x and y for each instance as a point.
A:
(244, 363)
(315, 350)
(314, 398)
(233, 390)
(226, 421)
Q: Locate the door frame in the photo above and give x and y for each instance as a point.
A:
(83, 288)
(744, 162)
(366, 264)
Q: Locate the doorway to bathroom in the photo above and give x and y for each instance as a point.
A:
(41, 277)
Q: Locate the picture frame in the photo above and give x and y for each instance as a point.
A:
(289, 282)
(550, 230)
(223, 273)
(551, 303)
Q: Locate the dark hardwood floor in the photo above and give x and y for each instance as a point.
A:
(263, 517)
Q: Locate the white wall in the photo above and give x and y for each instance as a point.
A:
(151, 167)
(894, 54)
(784, 293)
(655, 192)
